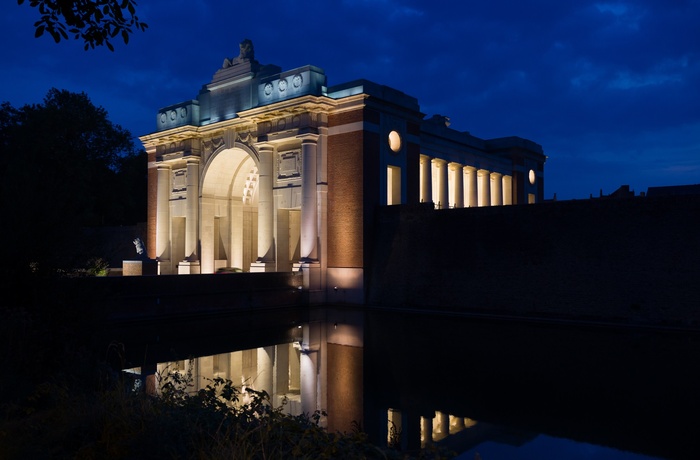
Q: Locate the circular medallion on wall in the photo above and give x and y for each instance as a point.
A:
(268, 89)
(183, 112)
(282, 85)
(173, 115)
(297, 81)
(163, 117)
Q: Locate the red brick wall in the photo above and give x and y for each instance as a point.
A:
(345, 199)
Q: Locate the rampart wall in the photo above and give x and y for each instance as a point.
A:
(633, 260)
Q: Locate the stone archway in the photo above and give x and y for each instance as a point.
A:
(229, 210)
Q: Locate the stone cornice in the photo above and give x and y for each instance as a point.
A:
(304, 104)
(180, 133)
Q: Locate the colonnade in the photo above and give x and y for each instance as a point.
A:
(453, 185)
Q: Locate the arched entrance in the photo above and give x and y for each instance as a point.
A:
(229, 210)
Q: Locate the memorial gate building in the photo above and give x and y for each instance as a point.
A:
(271, 170)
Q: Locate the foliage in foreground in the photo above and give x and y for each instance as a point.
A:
(217, 422)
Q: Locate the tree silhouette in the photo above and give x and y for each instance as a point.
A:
(95, 21)
(64, 167)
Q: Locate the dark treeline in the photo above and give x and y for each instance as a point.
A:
(65, 167)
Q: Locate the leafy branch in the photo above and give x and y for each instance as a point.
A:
(96, 22)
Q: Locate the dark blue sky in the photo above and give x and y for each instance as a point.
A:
(611, 90)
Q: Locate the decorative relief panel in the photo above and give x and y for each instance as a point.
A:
(209, 146)
(289, 165)
(179, 183)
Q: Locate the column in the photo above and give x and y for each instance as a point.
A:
(507, 189)
(442, 195)
(266, 242)
(163, 213)
(458, 185)
(192, 213)
(470, 186)
(426, 191)
(484, 194)
(496, 189)
(309, 209)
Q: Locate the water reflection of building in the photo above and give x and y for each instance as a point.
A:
(271, 170)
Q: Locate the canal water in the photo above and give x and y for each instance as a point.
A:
(515, 389)
(563, 390)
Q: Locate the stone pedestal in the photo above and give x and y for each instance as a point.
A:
(187, 267)
(262, 267)
(139, 267)
(312, 279)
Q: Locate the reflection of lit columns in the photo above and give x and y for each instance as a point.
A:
(496, 189)
(443, 425)
(507, 189)
(282, 371)
(191, 262)
(264, 379)
(442, 195)
(426, 430)
(458, 424)
(483, 179)
(163, 214)
(470, 186)
(426, 191)
(309, 374)
(266, 250)
(309, 264)
(457, 187)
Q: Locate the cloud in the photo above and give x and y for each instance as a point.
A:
(600, 84)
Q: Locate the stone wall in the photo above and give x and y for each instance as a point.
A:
(635, 260)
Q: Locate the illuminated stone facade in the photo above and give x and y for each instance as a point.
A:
(271, 170)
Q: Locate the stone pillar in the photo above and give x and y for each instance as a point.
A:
(426, 190)
(496, 189)
(192, 216)
(458, 186)
(309, 263)
(507, 190)
(309, 205)
(163, 214)
(265, 261)
(470, 187)
(483, 178)
(442, 195)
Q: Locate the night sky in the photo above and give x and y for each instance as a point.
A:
(610, 90)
